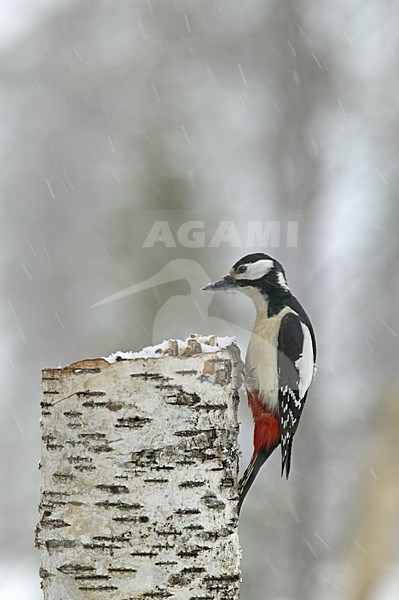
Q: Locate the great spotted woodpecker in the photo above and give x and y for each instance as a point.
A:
(280, 359)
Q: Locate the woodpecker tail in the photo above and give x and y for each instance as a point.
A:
(286, 458)
(251, 472)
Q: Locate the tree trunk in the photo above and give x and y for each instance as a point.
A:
(139, 476)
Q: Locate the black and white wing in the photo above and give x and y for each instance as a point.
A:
(295, 364)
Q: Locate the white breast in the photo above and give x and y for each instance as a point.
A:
(261, 361)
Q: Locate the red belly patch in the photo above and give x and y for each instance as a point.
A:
(267, 424)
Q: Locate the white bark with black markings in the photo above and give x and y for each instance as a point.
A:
(139, 477)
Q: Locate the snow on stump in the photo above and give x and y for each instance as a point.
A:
(139, 475)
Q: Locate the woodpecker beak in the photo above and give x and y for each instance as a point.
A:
(219, 286)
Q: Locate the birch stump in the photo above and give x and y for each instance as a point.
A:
(139, 475)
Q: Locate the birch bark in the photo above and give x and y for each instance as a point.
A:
(139, 477)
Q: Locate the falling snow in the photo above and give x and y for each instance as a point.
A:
(114, 118)
(244, 79)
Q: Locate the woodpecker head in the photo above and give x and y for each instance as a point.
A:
(252, 275)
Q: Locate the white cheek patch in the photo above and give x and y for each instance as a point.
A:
(256, 270)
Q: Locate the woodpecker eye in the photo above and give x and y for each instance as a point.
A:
(241, 269)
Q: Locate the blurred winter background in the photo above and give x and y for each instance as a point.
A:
(273, 126)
